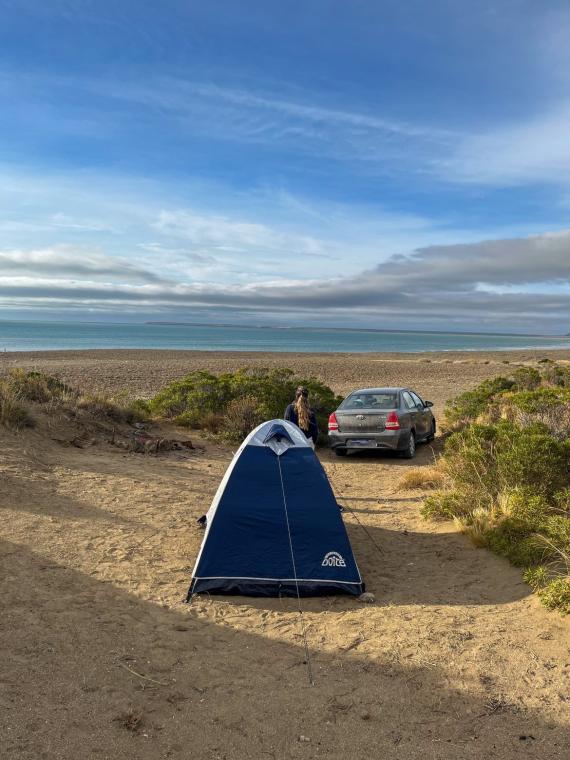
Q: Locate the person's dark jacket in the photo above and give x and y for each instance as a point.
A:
(313, 431)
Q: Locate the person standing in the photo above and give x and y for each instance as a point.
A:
(301, 414)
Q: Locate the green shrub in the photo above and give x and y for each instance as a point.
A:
(187, 400)
(471, 465)
(556, 375)
(524, 505)
(536, 577)
(528, 458)
(562, 501)
(514, 540)
(193, 400)
(540, 400)
(527, 379)
(549, 407)
(443, 505)
(508, 469)
(468, 406)
(556, 595)
(557, 529)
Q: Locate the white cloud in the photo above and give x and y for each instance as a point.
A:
(533, 151)
(72, 262)
(229, 235)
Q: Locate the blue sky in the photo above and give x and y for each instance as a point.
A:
(381, 164)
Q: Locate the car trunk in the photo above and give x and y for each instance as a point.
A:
(361, 421)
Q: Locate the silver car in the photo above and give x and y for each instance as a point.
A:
(395, 419)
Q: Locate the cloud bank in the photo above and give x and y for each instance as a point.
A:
(513, 284)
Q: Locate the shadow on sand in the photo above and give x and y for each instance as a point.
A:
(92, 671)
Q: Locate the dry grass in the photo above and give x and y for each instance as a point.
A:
(477, 525)
(421, 478)
(131, 720)
(13, 414)
(27, 395)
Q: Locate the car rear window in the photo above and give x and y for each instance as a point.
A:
(370, 401)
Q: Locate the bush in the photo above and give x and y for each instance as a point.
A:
(469, 406)
(528, 458)
(507, 467)
(527, 379)
(212, 422)
(13, 414)
(536, 577)
(117, 410)
(556, 595)
(443, 505)
(469, 461)
(477, 524)
(241, 417)
(189, 399)
(193, 400)
(525, 506)
(556, 375)
(514, 540)
(562, 501)
(549, 407)
(38, 387)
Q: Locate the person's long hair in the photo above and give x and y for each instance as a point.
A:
(303, 409)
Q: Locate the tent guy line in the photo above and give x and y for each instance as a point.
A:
(301, 618)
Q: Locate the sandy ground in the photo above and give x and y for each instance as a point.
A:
(101, 658)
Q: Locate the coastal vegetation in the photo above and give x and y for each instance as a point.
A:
(227, 405)
(504, 476)
(25, 394)
(231, 404)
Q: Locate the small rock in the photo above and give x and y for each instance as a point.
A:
(367, 598)
(304, 738)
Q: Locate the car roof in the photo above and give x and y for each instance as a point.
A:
(377, 390)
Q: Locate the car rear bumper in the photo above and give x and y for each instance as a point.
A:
(393, 440)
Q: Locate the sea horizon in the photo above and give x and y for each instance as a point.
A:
(36, 335)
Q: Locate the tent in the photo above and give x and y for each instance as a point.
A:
(274, 527)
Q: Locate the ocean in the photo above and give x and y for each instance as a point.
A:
(46, 336)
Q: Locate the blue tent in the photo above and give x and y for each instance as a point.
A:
(274, 527)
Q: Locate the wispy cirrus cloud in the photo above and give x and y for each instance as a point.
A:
(532, 150)
(228, 234)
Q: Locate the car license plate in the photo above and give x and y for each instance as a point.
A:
(361, 442)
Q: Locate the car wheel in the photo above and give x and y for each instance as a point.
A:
(410, 451)
(340, 452)
(431, 436)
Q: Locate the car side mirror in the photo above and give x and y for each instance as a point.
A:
(428, 404)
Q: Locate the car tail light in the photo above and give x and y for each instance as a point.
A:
(333, 422)
(392, 421)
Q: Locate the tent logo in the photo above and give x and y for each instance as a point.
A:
(333, 559)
